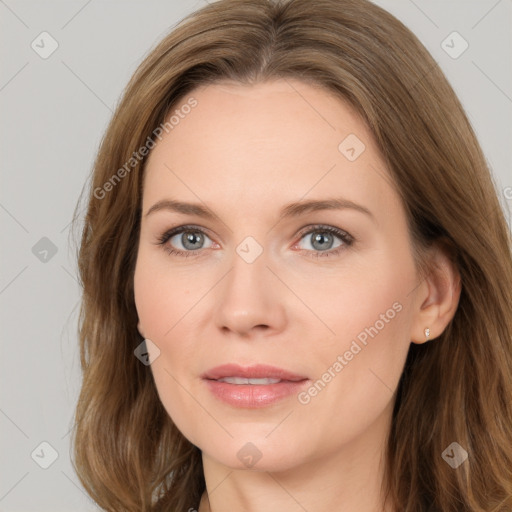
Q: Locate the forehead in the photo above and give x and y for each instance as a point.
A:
(258, 144)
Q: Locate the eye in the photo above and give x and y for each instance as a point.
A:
(187, 239)
(321, 241)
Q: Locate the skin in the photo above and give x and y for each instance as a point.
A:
(245, 152)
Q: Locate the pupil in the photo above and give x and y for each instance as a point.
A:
(321, 238)
(190, 238)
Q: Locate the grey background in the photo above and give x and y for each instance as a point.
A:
(53, 114)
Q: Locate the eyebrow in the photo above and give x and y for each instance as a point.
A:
(290, 210)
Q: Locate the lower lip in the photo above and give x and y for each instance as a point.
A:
(253, 396)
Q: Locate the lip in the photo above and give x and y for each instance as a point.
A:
(252, 396)
(259, 371)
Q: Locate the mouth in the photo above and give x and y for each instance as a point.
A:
(252, 387)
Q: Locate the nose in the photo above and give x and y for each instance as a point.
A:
(250, 300)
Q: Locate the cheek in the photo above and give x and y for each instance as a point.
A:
(164, 301)
(160, 299)
(359, 368)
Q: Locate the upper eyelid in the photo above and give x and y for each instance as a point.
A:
(176, 230)
(304, 230)
(319, 227)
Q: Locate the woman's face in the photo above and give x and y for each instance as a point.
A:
(265, 273)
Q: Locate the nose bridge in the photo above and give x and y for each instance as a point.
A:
(248, 297)
(249, 266)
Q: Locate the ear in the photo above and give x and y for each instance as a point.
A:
(139, 328)
(437, 298)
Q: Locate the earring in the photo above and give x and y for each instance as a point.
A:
(427, 333)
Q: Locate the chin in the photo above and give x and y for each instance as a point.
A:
(255, 453)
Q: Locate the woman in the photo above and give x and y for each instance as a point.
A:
(297, 276)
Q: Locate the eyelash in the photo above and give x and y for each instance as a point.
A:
(345, 237)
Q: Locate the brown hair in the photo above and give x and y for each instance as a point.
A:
(456, 389)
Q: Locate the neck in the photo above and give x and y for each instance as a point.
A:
(347, 480)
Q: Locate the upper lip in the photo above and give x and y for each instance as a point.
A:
(259, 371)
